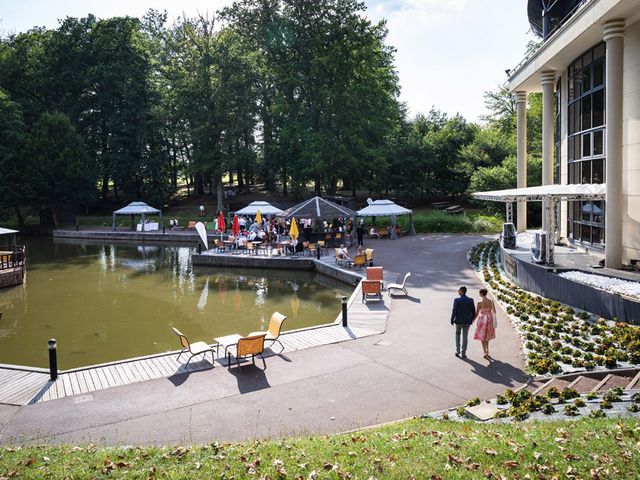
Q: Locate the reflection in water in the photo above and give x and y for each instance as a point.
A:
(107, 302)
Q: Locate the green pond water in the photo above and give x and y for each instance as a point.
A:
(109, 302)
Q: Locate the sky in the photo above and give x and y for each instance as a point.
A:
(448, 51)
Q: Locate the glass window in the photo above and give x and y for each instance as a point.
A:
(597, 214)
(599, 51)
(586, 233)
(586, 211)
(586, 145)
(598, 142)
(597, 235)
(587, 58)
(577, 155)
(598, 74)
(586, 113)
(586, 172)
(598, 108)
(597, 171)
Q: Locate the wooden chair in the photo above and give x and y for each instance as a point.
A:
(376, 273)
(251, 345)
(322, 245)
(339, 259)
(220, 246)
(312, 249)
(251, 248)
(369, 253)
(359, 261)
(191, 225)
(197, 348)
(273, 331)
(400, 286)
(371, 287)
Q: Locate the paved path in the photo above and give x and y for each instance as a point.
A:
(408, 370)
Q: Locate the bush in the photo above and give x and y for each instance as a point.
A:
(440, 222)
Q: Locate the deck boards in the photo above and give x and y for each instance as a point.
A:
(20, 386)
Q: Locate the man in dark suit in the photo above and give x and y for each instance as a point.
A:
(464, 311)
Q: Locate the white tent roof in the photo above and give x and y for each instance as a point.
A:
(383, 208)
(136, 208)
(586, 191)
(265, 209)
(5, 231)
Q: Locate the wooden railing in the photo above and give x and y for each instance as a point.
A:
(11, 257)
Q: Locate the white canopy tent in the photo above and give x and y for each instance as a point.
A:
(137, 208)
(549, 195)
(8, 231)
(387, 208)
(265, 209)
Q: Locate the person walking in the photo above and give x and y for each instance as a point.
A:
(360, 231)
(462, 317)
(485, 326)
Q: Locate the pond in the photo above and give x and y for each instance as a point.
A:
(106, 302)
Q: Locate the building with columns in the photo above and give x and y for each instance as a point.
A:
(588, 70)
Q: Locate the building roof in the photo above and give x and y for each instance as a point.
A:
(383, 208)
(317, 207)
(265, 209)
(136, 208)
(585, 191)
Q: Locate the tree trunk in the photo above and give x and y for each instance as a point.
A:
(19, 217)
(220, 195)
(198, 184)
(285, 190)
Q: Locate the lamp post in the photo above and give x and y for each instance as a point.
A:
(53, 359)
(344, 311)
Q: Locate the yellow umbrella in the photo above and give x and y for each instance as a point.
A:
(258, 217)
(293, 230)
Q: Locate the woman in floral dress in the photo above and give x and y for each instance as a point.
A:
(485, 322)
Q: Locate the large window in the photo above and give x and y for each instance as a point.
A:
(586, 136)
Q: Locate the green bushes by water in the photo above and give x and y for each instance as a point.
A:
(439, 222)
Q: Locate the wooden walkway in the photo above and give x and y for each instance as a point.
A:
(27, 386)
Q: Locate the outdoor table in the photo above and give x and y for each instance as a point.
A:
(280, 246)
(226, 342)
(229, 242)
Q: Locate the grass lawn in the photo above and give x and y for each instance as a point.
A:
(588, 449)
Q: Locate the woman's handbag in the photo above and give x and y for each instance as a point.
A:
(495, 322)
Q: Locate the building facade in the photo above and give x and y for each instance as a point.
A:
(588, 70)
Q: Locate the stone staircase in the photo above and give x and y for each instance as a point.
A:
(585, 382)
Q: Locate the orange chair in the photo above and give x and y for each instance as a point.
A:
(251, 345)
(376, 273)
(371, 287)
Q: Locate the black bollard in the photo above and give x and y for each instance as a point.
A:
(199, 248)
(318, 251)
(53, 359)
(163, 229)
(77, 227)
(344, 311)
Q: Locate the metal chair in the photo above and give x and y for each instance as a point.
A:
(273, 331)
(197, 348)
(400, 286)
(252, 345)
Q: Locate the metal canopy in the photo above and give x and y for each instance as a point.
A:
(595, 191)
(5, 231)
(317, 207)
(137, 208)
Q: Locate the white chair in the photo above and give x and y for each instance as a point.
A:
(400, 286)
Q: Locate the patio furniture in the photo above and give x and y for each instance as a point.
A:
(312, 249)
(400, 286)
(376, 273)
(220, 246)
(251, 345)
(251, 248)
(371, 287)
(322, 245)
(197, 348)
(339, 259)
(273, 331)
(191, 225)
(359, 261)
(369, 253)
(454, 209)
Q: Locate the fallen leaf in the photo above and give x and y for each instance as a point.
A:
(511, 464)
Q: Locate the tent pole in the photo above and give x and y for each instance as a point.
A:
(412, 230)
(160, 224)
(142, 221)
(114, 221)
(394, 234)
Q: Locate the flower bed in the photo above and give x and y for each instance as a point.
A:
(556, 338)
(613, 285)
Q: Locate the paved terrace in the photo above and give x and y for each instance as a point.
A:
(405, 371)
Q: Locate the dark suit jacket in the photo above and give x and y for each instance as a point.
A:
(464, 311)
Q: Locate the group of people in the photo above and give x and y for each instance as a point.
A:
(465, 312)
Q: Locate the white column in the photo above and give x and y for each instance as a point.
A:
(521, 105)
(548, 80)
(614, 37)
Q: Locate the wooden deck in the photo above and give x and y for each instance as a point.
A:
(20, 386)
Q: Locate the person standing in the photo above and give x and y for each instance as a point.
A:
(485, 326)
(360, 231)
(462, 316)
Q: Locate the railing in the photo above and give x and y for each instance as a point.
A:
(512, 73)
(11, 257)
